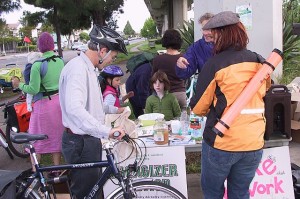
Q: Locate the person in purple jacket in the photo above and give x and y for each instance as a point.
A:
(139, 83)
(197, 53)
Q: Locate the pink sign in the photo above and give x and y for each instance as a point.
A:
(273, 178)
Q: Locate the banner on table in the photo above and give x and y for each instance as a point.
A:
(163, 164)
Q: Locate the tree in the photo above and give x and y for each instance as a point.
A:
(66, 15)
(84, 36)
(112, 21)
(128, 29)
(149, 29)
(9, 6)
(52, 7)
(101, 11)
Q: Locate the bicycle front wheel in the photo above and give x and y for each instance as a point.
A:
(3, 139)
(17, 149)
(151, 189)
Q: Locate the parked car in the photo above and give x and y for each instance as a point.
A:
(56, 47)
(7, 73)
(126, 42)
(82, 48)
(75, 45)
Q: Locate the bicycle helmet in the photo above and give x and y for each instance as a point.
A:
(108, 37)
(112, 71)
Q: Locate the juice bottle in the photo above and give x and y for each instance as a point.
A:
(160, 132)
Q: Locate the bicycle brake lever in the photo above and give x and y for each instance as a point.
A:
(125, 137)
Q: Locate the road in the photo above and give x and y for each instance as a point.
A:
(21, 59)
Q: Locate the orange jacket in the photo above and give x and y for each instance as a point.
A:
(220, 82)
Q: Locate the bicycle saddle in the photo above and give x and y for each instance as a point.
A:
(20, 138)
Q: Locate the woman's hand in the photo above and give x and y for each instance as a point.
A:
(182, 62)
(15, 82)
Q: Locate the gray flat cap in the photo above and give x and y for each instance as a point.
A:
(222, 19)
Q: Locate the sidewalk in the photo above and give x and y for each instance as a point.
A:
(10, 55)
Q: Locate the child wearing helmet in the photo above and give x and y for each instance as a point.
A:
(110, 86)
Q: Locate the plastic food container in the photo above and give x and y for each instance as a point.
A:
(149, 118)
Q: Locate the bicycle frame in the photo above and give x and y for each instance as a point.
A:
(109, 164)
(190, 90)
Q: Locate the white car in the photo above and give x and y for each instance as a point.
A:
(126, 42)
(56, 47)
(82, 48)
(76, 45)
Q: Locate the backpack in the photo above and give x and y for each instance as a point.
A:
(43, 71)
(134, 62)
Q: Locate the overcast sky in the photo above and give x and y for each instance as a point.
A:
(135, 11)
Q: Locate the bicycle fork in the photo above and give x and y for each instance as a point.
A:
(5, 146)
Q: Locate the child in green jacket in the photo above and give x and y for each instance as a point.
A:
(161, 101)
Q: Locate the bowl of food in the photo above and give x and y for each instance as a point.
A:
(149, 118)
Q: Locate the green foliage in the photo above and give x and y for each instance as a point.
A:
(193, 163)
(128, 29)
(100, 11)
(9, 39)
(291, 43)
(25, 48)
(187, 34)
(145, 48)
(158, 41)
(149, 29)
(84, 36)
(4, 32)
(26, 31)
(9, 5)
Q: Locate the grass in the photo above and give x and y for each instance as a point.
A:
(143, 47)
(192, 162)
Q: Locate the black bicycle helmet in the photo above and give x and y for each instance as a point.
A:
(108, 37)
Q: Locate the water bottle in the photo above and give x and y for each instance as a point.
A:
(197, 126)
(184, 120)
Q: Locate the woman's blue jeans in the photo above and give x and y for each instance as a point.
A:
(237, 167)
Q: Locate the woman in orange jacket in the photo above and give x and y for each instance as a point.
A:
(235, 156)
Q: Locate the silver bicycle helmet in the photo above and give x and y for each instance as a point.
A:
(108, 37)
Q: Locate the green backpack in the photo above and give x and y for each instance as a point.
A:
(137, 60)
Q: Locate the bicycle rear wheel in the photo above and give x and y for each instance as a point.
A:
(151, 189)
(17, 149)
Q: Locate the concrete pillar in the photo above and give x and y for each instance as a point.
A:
(266, 31)
(180, 8)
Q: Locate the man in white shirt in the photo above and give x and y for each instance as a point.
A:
(83, 109)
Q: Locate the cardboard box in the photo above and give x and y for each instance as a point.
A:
(295, 131)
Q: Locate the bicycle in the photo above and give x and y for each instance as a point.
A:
(11, 121)
(191, 87)
(4, 144)
(37, 186)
